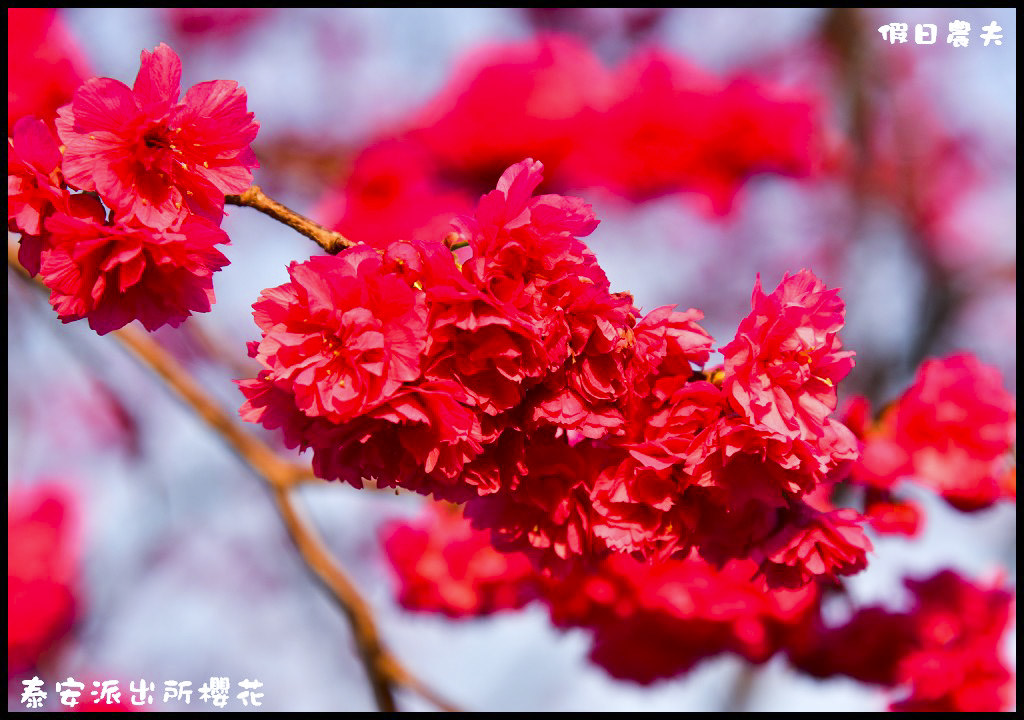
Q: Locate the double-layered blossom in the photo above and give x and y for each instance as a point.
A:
(721, 461)
(515, 325)
(151, 156)
(114, 273)
(782, 368)
(140, 242)
(342, 351)
(811, 545)
(34, 186)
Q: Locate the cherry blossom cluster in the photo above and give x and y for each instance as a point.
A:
(653, 125)
(121, 216)
(569, 423)
(651, 622)
(647, 622)
(952, 431)
(941, 655)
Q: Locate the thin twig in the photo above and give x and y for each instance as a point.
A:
(385, 672)
(332, 242)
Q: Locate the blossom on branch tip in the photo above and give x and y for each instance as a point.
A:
(782, 369)
(152, 157)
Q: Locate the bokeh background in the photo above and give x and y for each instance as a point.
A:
(185, 571)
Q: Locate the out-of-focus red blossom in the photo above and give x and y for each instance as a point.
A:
(42, 574)
(890, 515)
(44, 65)
(221, 23)
(394, 192)
(154, 158)
(670, 126)
(445, 566)
(955, 665)
(868, 647)
(508, 102)
(654, 126)
(34, 186)
(959, 425)
(812, 545)
(647, 622)
(115, 273)
(943, 655)
(657, 621)
(952, 431)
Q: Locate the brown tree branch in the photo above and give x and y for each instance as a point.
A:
(384, 671)
(332, 242)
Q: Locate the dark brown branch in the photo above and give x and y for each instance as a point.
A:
(332, 242)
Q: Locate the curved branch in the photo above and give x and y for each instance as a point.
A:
(384, 671)
(332, 242)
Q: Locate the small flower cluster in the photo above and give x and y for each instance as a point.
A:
(650, 622)
(652, 126)
(569, 424)
(942, 655)
(445, 566)
(121, 218)
(952, 431)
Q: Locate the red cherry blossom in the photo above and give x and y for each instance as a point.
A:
(152, 158)
(41, 575)
(813, 545)
(782, 369)
(670, 126)
(342, 347)
(115, 273)
(342, 335)
(508, 102)
(34, 186)
(44, 64)
(958, 423)
(445, 566)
